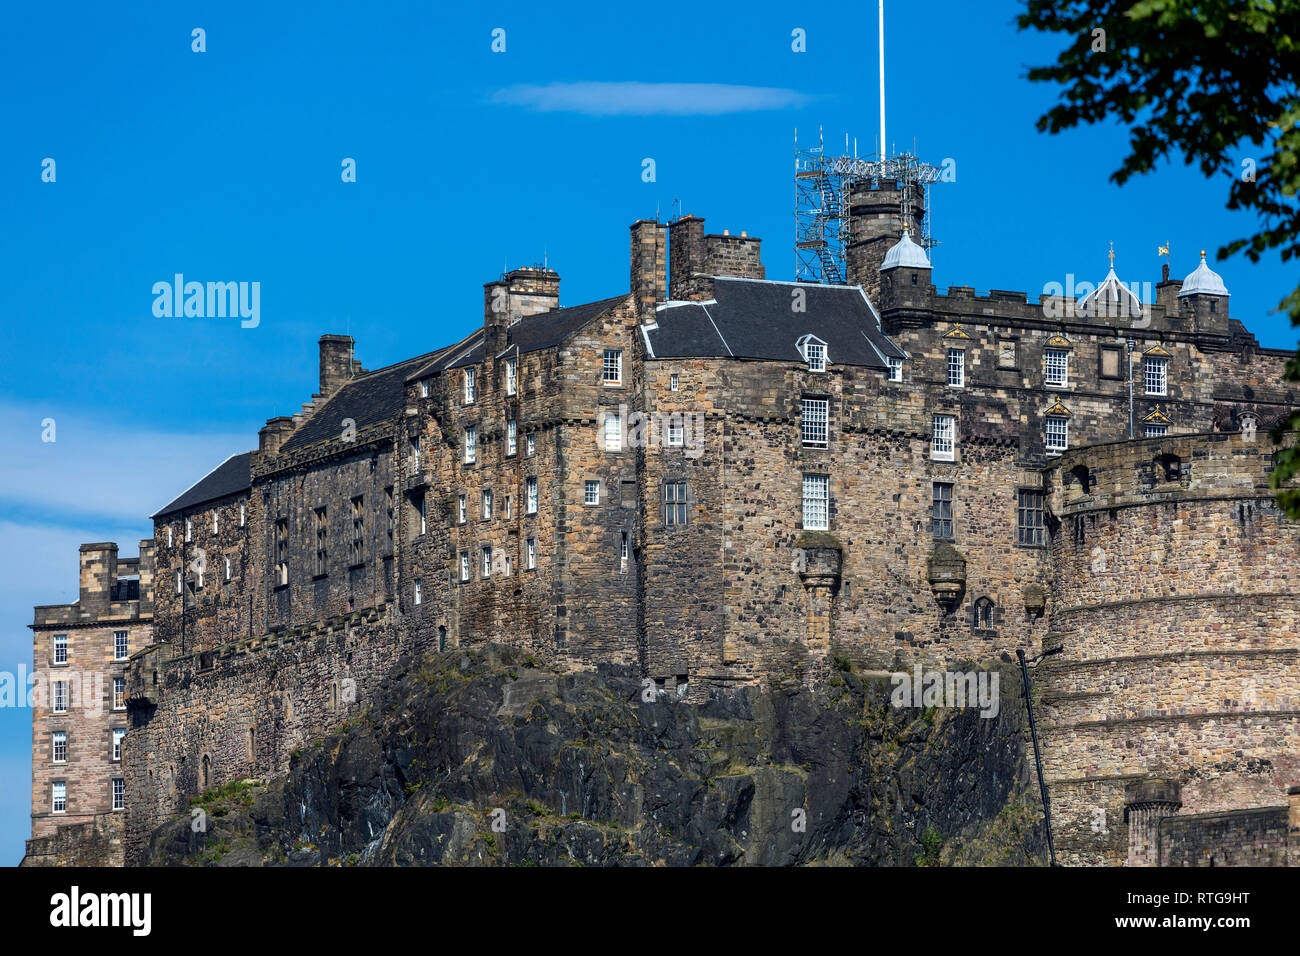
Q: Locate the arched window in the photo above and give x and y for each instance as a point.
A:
(442, 638)
(983, 614)
(206, 781)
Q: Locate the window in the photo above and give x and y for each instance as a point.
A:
(59, 697)
(179, 588)
(60, 797)
(419, 590)
(60, 648)
(59, 746)
(512, 438)
(487, 504)
(169, 536)
(512, 376)
(392, 517)
(613, 432)
(1057, 428)
(506, 510)
(322, 541)
(1155, 374)
(531, 554)
(462, 510)
(471, 445)
(675, 503)
(815, 352)
(507, 564)
(424, 513)
(415, 452)
(228, 568)
(189, 529)
(676, 431)
(202, 564)
(121, 645)
(1154, 431)
(816, 502)
(983, 614)
(424, 388)
(242, 515)
(487, 560)
(895, 369)
(469, 386)
(672, 382)
(464, 565)
(1029, 519)
(358, 529)
(941, 514)
(530, 444)
(214, 521)
(957, 368)
(282, 550)
(119, 735)
(613, 367)
(943, 437)
(1056, 368)
(119, 793)
(530, 496)
(591, 493)
(813, 422)
(623, 552)
(119, 693)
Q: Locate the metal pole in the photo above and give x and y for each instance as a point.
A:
(1038, 760)
(883, 149)
(1130, 388)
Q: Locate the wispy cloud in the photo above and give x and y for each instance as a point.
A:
(648, 99)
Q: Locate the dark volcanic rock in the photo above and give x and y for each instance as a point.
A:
(483, 759)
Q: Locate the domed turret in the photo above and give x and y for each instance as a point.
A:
(905, 254)
(1203, 281)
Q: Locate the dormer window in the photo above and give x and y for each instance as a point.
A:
(813, 351)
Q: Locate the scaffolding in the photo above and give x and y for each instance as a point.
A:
(822, 190)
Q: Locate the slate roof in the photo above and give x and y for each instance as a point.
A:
(230, 477)
(546, 329)
(755, 319)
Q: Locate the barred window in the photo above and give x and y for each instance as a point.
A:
(675, 502)
(1029, 518)
(943, 437)
(1155, 374)
(1058, 430)
(613, 366)
(813, 422)
(941, 514)
(816, 502)
(1057, 367)
(322, 540)
(358, 529)
(957, 368)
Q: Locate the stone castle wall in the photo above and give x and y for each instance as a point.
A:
(1176, 602)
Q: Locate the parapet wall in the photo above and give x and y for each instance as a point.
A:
(242, 710)
(1176, 603)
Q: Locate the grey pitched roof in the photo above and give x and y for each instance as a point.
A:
(545, 329)
(230, 477)
(755, 319)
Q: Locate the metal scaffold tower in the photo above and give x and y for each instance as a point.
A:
(822, 190)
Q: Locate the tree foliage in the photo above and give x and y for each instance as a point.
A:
(1214, 82)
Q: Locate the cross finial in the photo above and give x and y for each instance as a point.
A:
(1112, 254)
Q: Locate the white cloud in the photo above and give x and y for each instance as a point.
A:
(100, 467)
(648, 99)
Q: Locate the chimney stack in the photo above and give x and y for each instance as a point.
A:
(274, 434)
(98, 575)
(336, 364)
(649, 266)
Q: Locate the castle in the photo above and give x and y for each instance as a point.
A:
(722, 479)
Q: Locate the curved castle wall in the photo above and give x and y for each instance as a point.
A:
(1176, 602)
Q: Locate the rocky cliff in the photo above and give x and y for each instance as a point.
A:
(484, 758)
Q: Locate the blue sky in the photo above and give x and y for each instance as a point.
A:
(225, 166)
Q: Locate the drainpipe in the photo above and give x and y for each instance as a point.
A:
(1033, 730)
(1131, 343)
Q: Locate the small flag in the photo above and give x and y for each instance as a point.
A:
(1162, 250)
